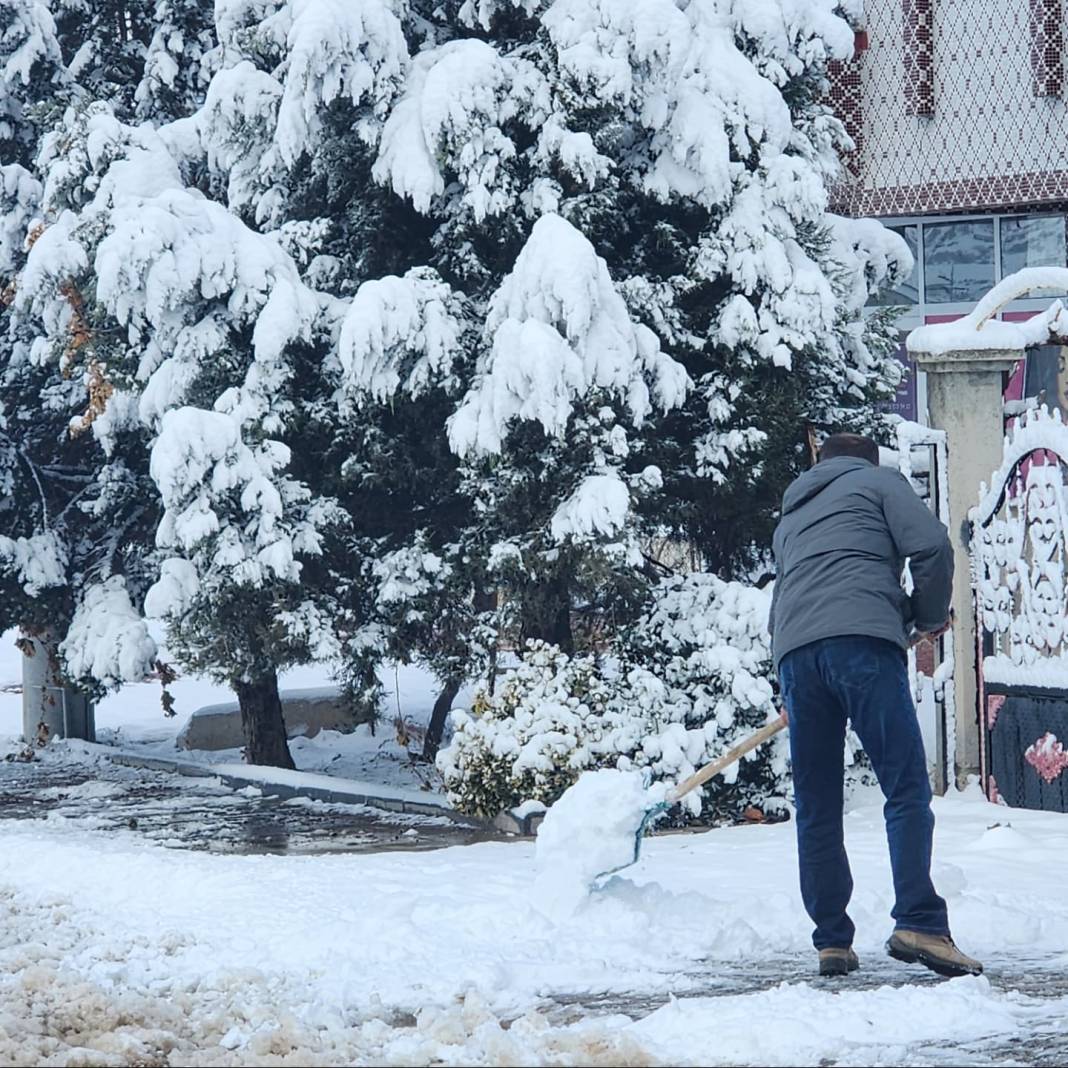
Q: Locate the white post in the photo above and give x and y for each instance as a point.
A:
(964, 398)
(50, 709)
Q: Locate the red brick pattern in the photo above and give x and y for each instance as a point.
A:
(991, 136)
(964, 194)
(846, 97)
(1047, 47)
(918, 56)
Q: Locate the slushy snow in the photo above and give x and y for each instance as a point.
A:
(115, 951)
(589, 832)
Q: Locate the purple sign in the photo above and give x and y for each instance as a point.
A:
(903, 403)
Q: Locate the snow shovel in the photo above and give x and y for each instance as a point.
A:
(698, 778)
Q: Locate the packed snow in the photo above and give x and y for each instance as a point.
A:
(117, 952)
(589, 832)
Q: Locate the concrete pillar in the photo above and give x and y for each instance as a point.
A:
(50, 709)
(965, 399)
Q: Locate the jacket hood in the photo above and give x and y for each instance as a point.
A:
(817, 479)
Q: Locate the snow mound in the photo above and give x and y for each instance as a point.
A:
(588, 832)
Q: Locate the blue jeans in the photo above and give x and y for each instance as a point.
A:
(864, 680)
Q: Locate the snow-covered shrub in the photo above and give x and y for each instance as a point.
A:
(707, 641)
(690, 679)
(546, 723)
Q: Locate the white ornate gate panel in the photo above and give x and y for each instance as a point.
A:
(1019, 551)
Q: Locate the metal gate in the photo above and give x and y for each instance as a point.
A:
(1019, 549)
(921, 458)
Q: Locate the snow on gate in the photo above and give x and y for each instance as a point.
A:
(921, 458)
(1019, 548)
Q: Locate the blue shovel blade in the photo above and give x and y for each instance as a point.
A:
(650, 816)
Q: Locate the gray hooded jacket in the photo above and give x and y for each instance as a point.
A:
(847, 528)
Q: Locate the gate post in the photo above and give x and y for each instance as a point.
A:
(965, 399)
(965, 362)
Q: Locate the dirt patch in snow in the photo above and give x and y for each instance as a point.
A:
(52, 1014)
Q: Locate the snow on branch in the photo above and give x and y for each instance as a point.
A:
(558, 329)
(108, 640)
(399, 334)
(458, 98)
(351, 49)
(28, 38)
(679, 71)
(20, 197)
(39, 562)
(222, 497)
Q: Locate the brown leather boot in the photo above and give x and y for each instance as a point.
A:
(836, 961)
(936, 952)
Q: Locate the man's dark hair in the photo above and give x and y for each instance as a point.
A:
(850, 445)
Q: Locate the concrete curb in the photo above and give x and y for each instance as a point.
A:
(510, 823)
(338, 795)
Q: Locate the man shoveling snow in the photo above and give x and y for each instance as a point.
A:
(840, 626)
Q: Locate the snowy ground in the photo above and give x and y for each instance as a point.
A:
(125, 940)
(133, 719)
(117, 951)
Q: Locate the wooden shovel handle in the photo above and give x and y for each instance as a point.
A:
(702, 775)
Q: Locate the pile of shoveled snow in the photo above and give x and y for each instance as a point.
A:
(590, 831)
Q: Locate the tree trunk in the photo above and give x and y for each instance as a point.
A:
(50, 708)
(562, 636)
(262, 722)
(436, 727)
(548, 616)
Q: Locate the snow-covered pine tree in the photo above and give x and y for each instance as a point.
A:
(681, 147)
(195, 312)
(290, 130)
(632, 194)
(68, 519)
(565, 378)
(562, 372)
(85, 514)
(192, 324)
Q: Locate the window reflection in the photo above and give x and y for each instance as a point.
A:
(958, 260)
(1032, 241)
(907, 291)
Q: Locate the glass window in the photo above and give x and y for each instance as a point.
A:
(958, 260)
(1032, 241)
(907, 291)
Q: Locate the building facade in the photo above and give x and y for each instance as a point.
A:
(959, 113)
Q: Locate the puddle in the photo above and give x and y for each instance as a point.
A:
(185, 813)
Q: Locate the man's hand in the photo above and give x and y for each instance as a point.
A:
(932, 634)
